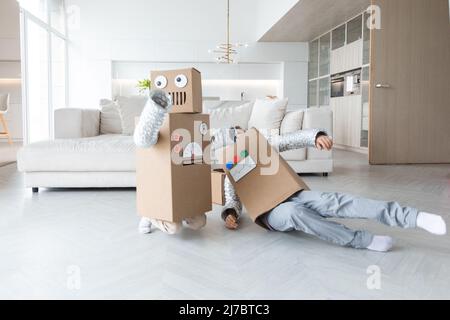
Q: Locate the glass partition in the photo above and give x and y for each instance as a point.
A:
(312, 93)
(365, 87)
(324, 92)
(324, 64)
(354, 29)
(366, 40)
(313, 59)
(338, 36)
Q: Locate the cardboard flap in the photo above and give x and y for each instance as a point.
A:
(270, 183)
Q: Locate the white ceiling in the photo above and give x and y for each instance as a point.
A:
(180, 20)
(311, 18)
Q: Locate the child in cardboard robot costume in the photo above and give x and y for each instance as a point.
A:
(305, 210)
(171, 126)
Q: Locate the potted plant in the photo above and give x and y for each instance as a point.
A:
(144, 86)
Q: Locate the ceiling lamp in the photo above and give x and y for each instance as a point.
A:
(227, 51)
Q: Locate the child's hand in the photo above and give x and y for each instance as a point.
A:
(324, 142)
(231, 222)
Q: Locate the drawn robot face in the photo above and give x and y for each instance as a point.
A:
(184, 86)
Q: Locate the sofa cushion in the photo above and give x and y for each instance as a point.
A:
(292, 122)
(267, 114)
(129, 109)
(110, 122)
(227, 117)
(101, 153)
(76, 123)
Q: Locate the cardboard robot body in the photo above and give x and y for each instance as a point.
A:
(174, 176)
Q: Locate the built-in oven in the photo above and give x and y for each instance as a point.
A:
(346, 84)
(337, 87)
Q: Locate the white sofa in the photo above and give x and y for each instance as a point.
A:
(81, 157)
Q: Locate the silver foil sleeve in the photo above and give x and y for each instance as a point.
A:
(152, 117)
(232, 201)
(296, 140)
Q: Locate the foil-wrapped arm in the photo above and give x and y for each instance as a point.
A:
(232, 201)
(296, 140)
(152, 117)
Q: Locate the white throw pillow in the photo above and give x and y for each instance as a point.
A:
(292, 122)
(267, 114)
(129, 109)
(110, 122)
(228, 117)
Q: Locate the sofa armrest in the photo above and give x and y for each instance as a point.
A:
(318, 118)
(76, 123)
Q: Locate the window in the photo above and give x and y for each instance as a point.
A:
(44, 65)
(37, 92)
(36, 8)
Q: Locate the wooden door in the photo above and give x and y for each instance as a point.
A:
(410, 83)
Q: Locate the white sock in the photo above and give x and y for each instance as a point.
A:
(381, 244)
(431, 223)
(167, 227)
(145, 225)
(196, 223)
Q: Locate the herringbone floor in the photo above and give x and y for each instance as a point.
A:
(84, 244)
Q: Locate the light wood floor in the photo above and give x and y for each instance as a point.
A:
(8, 152)
(54, 241)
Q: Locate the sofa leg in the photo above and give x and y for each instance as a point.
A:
(325, 174)
(35, 190)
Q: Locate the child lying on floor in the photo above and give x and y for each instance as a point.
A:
(307, 211)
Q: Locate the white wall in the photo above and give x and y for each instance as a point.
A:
(149, 32)
(10, 64)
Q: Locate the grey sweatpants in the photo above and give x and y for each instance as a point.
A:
(307, 211)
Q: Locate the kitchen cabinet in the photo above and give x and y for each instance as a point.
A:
(347, 121)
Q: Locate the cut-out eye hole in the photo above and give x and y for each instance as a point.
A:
(160, 82)
(181, 81)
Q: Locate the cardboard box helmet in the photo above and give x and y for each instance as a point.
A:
(261, 177)
(184, 87)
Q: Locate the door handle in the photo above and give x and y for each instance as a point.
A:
(382, 86)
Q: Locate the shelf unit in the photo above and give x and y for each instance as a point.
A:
(345, 47)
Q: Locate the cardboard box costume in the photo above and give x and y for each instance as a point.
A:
(172, 169)
(258, 174)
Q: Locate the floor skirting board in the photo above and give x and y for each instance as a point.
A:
(352, 149)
